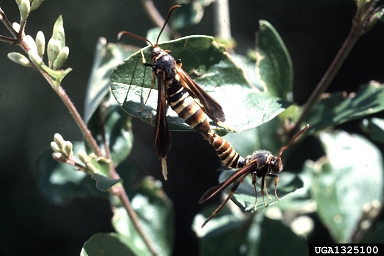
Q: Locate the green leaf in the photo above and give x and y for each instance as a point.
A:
(152, 35)
(344, 181)
(60, 183)
(108, 244)
(107, 57)
(58, 31)
(337, 108)
(189, 14)
(100, 168)
(278, 239)
(103, 183)
(116, 124)
(273, 63)
(374, 127)
(262, 137)
(254, 235)
(218, 76)
(156, 216)
(217, 237)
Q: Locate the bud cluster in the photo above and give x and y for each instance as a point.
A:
(57, 52)
(26, 6)
(62, 150)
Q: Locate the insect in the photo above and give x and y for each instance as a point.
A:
(260, 163)
(177, 89)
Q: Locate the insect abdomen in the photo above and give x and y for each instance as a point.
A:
(187, 108)
(226, 152)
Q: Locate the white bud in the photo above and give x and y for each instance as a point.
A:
(19, 59)
(31, 43)
(53, 50)
(24, 8)
(35, 58)
(40, 43)
(35, 4)
(61, 58)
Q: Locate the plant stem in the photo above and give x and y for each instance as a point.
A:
(357, 30)
(135, 220)
(221, 21)
(79, 121)
(154, 14)
(119, 190)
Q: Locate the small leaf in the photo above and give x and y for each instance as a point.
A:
(58, 32)
(107, 56)
(337, 109)
(108, 244)
(278, 239)
(61, 183)
(103, 183)
(218, 76)
(374, 127)
(189, 14)
(257, 234)
(100, 167)
(344, 181)
(117, 125)
(273, 63)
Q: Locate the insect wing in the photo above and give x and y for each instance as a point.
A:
(162, 136)
(232, 179)
(211, 107)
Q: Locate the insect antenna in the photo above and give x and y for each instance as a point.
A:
(134, 36)
(166, 21)
(292, 140)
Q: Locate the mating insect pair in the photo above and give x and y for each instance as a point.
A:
(177, 89)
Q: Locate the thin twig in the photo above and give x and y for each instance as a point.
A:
(135, 220)
(221, 21)
(119, 190)
(155, 16)
(357, 30)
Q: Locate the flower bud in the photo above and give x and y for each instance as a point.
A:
(24, 8)
(59, 157)
(83, 156)
(16, 26)
(36, 4)
(53, 50)
(55, 147)
(31, 43)
(35, 58)
(61, 58)
(58, 139)
(19, 59)
(40, 43)
(68, 148)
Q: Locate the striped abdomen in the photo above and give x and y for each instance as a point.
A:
(191, 112)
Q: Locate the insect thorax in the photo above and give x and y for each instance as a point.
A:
(166, 63)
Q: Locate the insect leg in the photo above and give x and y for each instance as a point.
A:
(275, 183)
(266, 190)
(262, 190)
(254, 186)
(232, 190)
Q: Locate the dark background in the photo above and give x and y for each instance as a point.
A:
(30, 112)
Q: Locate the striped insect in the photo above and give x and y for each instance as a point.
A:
(177, 89)
(260, 164)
